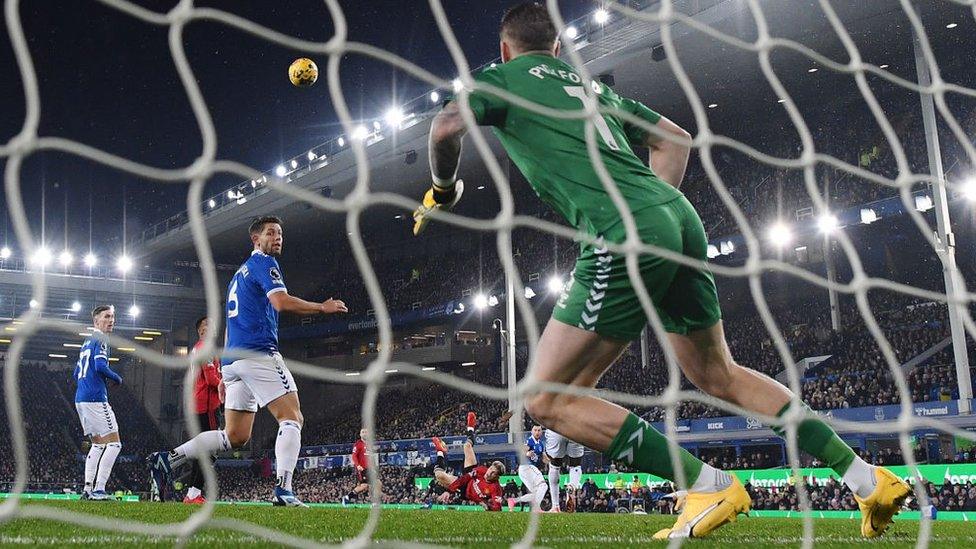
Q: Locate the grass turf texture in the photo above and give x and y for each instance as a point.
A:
(454, 528)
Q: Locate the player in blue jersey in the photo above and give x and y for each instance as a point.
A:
(94, 411)
(256, 295)
(531, 472)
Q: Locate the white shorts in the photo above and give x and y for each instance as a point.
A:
(253, 383)
(532, 478)
(558, 446)
(97, 418)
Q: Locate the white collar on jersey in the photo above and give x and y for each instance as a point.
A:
(94, 329)
(258, 252)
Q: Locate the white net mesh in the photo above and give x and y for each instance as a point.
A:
(663, 15)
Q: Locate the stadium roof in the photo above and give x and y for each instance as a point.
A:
(722, 74)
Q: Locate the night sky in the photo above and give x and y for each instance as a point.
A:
(107, 79)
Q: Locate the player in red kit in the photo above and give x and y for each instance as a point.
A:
(208, 396)
(360, 463)
(479, 483)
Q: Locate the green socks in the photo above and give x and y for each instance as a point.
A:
(641, 446)
(817, 439)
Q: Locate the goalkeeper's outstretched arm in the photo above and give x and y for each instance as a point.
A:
(446, 132)
(669, 159)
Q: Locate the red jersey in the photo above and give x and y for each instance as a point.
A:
(358, 456)
(205, 386)
(479, 490)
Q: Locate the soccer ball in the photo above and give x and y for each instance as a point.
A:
(303, 72)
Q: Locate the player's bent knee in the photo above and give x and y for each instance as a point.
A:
(547, 408)
(237, 439)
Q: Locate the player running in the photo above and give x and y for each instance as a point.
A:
(531, 472)
(360, 462)
(598, 312)
(559, 448)
(478, 482)
(208, 395)
(256, 295)
(91, 400)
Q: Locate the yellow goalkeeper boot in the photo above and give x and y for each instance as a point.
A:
(878, 509)
(704, 512)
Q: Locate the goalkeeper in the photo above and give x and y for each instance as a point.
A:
(598, 312)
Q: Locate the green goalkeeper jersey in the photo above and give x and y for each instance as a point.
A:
(551, 152)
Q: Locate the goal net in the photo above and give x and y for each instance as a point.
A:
(671, 23)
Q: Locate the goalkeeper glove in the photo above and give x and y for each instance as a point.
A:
(436, 199)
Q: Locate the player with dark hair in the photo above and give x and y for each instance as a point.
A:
(208, 396)
(256, 295)
(478, 483)
(91, 401)
(598, 312)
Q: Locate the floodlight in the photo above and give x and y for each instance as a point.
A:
(360, 133)
(341, 141)
(529, 293)
(5, 253)
(712, 105)
(134, 311)
(480, 301)
(232, 195)
(923, 202)
(868, 216)
(492, 300)
(601, 16)
(376, 126)
(42, 257)
(91, 260)
(713, 251)
(311, 156)
(393, 117)
(969, 189)
(434, 97)
(212, 203)
(280, 171)
(457, 84)
(65, 258)
(571, 32)
(124, 264)
(33, 303)
(555, 284)
(952, 25)
(828, 223)
(780, 234)
(726, 247)
(75, 307)
(294, 164)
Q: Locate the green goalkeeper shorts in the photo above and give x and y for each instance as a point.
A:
(600, 297)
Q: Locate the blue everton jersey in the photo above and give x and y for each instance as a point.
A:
(252, 323)
(537, 446)
(91, 371)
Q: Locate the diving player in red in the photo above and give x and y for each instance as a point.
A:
(479, 482)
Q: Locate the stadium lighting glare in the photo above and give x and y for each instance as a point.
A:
(376, 126)
(350, 374)
(360, 133)
(555, 284)
(72, 345)
(493, 65)
(781, 101)
(885, 66)
(280, 171)
(65, 258)
(713, 251)
(56, 355)
(341, 141)
(469, 364)
(601, 16)
(134, 311)
(434, 97)
(42, 257)
(492, 300)
(33, 304)
(254, 184)
(828, 223)
(923, 203)
(393, 117)
(868, 216)
(459, 308)
(780, 234)
(75, 307)
(571, 32)
(727, 247)
(480, 301)
(813, 70)
(212, 203)
(456, 84)
(232, 195)
(712, 105)
(124, 264)
(952, 25)
(529, 293)
(428, 368)
(311, 156)
(91, 260)
(481, 187)
(391, 371)
(969, 189)
(294, 164)
(5, 253)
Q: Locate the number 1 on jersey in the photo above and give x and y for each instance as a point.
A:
(601, 123)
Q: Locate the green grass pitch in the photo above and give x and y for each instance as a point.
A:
(453, 528)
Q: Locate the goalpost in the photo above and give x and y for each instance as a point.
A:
(663, 15)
